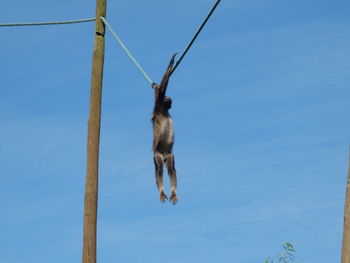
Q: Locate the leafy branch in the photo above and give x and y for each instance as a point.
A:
(286, 256)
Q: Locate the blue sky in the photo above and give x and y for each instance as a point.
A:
(260, 107)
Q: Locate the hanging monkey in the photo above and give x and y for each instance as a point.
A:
(163, 136)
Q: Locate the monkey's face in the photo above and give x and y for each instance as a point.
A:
(167, 102)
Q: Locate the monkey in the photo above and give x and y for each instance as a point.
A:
(163, 136)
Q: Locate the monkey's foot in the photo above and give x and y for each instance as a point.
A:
(174, 199)
(163, 197)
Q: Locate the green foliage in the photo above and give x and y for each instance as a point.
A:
(286, 256)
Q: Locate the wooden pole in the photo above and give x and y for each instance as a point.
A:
(91, 187)
(345, 258)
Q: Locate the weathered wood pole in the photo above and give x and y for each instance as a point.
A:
(91, 187)
(345, 257)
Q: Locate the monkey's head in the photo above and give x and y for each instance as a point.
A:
(167, 102)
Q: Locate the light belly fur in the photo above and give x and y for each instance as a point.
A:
(167, 132)
(166, 139)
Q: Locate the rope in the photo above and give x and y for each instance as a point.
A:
(127, 51)
(48, 23)
(195, 36)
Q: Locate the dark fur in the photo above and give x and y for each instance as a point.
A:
(163, 136)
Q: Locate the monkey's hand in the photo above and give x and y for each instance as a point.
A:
(155, 85)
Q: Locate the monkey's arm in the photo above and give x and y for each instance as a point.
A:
(160, 90)
(166, 76)
(155, 86)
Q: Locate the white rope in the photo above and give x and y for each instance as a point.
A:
(127, 51)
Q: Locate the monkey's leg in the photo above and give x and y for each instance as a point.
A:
(158, 163)
(170, 163)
